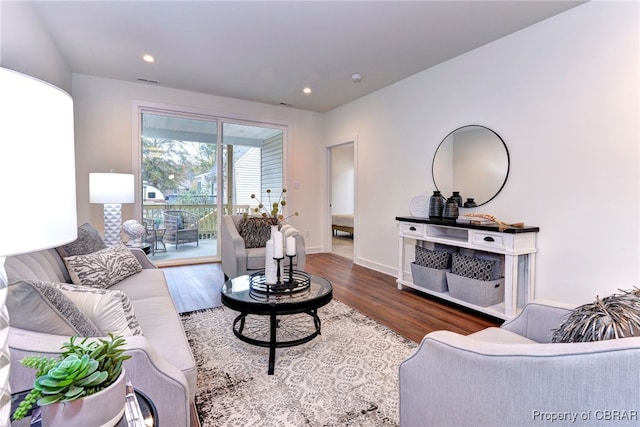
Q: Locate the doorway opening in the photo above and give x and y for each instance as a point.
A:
(342, 202)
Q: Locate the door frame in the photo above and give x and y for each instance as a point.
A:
(137, 107)
(349, 139)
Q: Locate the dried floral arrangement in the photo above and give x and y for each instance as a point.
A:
(274, 213)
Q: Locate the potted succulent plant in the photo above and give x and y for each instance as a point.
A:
(87, 370)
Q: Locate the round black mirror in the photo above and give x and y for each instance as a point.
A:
(472, 160)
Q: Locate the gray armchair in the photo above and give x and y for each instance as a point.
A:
(514, 376)
(238, 260)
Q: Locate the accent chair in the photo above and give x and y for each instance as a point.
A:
(238, 258)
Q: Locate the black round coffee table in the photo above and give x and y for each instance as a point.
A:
(283, 329)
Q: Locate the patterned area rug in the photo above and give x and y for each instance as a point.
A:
(347, 376)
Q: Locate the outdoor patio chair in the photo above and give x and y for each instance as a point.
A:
(181, 226)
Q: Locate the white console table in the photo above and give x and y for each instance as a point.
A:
(517, 245)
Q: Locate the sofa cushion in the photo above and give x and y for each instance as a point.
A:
(150, 282)
(256, 258)
(44, 265)
(103, 268)
(159, 327)
(89, 240)
(110, 310)
(255, 231)
(38, 306)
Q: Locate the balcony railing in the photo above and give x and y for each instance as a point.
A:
(207, 214)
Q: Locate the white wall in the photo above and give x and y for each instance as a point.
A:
(342, 179)
(563, 94)
(25, 46)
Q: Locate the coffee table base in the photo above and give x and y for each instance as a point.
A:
(273, 343)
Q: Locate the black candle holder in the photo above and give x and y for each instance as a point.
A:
(278, 270)
(290, 268)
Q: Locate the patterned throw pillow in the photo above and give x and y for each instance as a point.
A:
(472, 268)
(89, 240)
(109, 310)
(103, 268)
(433, 259)
(38, 306)
(255, 232)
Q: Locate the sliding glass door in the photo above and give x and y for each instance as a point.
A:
(252, 163)
(192, 174)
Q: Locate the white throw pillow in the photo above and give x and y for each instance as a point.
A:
(109, 310)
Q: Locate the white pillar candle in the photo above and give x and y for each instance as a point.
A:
(291, 246)
(278, 245)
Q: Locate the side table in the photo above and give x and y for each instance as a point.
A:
(158, 238)
(148, 409)
(146, 247)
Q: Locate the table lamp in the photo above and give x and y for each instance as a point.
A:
(37, 177)
(111, 189)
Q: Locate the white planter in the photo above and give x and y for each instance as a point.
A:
(102, 409)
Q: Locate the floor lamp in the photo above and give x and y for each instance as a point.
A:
(112, 189)
(38, 182)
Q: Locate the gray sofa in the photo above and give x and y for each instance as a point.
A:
(162, 365)
(514, 376)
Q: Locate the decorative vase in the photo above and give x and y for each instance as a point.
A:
(270, 265)
(456, 196)
(436, 204)
(104, 408)
(450, 210)
(470, 203)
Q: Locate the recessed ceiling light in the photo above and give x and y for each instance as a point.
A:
(148, 58)
(307, 90)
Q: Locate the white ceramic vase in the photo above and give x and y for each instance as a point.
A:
(270, 265)
(103, 409)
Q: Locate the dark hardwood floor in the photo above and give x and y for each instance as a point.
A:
(410, 313)
(195, 287)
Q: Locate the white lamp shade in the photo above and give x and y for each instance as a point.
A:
(111, 188)
(37, 165)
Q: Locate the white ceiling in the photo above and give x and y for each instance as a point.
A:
(268, 51)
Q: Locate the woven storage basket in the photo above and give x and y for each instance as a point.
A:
(479, 292)
(429, 278)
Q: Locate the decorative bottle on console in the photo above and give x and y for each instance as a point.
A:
(470, 203)
(450, 210)
(456, 196)
(436, 204)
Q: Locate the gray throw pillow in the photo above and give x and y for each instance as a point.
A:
(471, 267)
(255, 231)
(38, 306)
(103, 268)
(89, 240)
